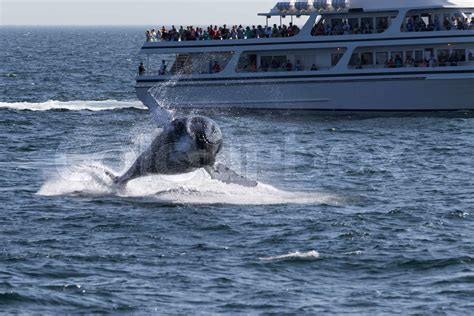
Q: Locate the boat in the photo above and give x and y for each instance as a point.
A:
(358, 55)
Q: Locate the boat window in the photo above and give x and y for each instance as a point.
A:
(419, 57)
(189, 63)
(381, 58)
(367, 58)
(382, 24)
(460, 54)
(350, 24)
(359, 60)
(443, 56)
(335, 58)
(396, 54)
(413, 56)
(289, 60)
(355, 60)
(428, 21)
(354, 24)
(367, 25)
(471, 55)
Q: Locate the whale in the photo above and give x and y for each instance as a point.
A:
(186, 144)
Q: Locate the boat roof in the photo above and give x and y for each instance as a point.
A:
(301, 7)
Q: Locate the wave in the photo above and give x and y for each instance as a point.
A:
(190, 188)
(309, 255)
(73, 105)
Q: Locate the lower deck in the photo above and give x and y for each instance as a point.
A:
(407, 91)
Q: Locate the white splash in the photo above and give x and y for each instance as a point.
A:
(313, 254)
(73, 105)
(191, 188)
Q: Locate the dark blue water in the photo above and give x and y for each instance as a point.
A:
(357, 213)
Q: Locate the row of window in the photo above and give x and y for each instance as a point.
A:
(353, 25)
(304, 60)
(416, 21)
(412, 58)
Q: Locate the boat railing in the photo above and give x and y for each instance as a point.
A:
(221, 33)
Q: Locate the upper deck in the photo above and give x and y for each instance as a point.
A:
(326, 21)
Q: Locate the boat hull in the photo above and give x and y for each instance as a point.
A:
(415, 93)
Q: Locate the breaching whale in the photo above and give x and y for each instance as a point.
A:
(186, 144)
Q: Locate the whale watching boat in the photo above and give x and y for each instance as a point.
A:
(346, 55)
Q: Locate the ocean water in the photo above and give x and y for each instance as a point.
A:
(354, 213)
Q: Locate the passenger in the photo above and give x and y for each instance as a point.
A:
(390, 63)
(253, 34)
(225, 32)
(148, 36)
(459, 24)
(162, 70)
(453, 60)
(233, 33)
(289, 66)
(240, 32)
(367, 29)
(410, 62)
(248, 32)
(275, 64)
(153, 35)
(432, 62)
(327, 29)
(183, 33)
(264, 66)
(296, 29)
(430, 27)
(314, 68)
(216, 67)
(347, 28)
(275, 31)
(447, 24)
(453, 23)
(141, 69)
(260, 32)
(410, 27)
(298, 66)
(398, 61)
(164, 34)
(466, 24)
(268, 32)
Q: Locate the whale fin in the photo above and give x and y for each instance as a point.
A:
(112, 176)
(222, 173)
(160, 114)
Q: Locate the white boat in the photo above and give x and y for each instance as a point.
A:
(348, 55)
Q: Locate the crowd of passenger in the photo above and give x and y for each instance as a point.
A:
(275, 65)
(214, 32)
(347, 28)
(413, 24)
(417, 24)
(444, 59)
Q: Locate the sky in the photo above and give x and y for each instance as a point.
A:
(132, 12)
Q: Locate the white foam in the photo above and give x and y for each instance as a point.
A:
(191, 188)
(313, 254)
(73, 105)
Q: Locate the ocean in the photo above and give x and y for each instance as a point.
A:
(366, 213)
